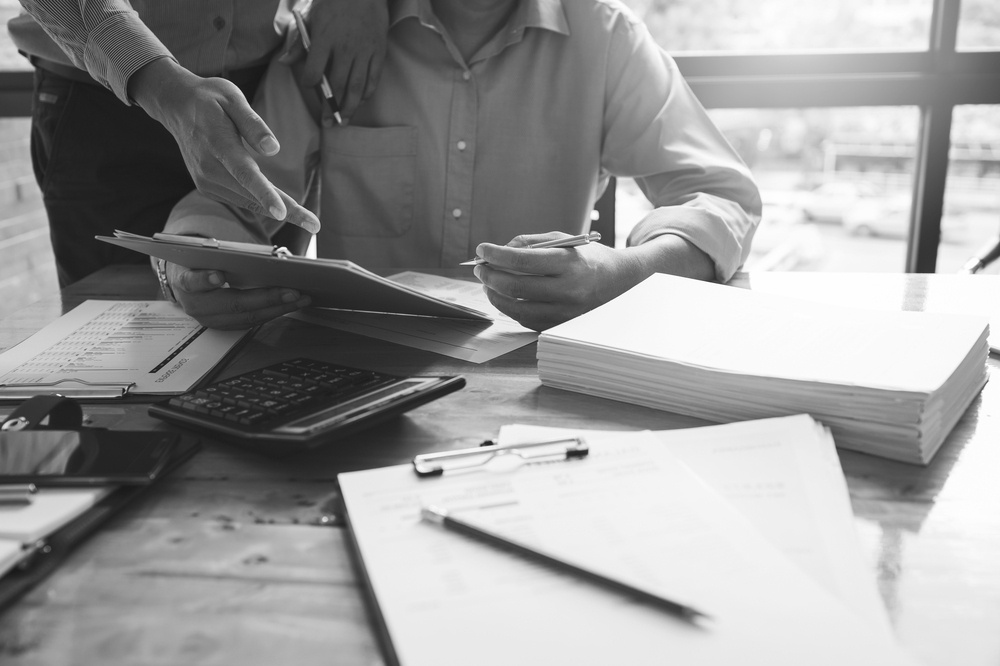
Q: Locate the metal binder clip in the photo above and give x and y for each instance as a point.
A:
(436, 464)
(14, 425)
(69, 387)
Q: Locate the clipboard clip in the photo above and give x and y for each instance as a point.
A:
(436, 464)
(70, 388)
(201, 241)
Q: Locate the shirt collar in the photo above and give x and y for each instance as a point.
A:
(545, 14)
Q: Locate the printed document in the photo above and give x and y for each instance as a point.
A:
(151, 346)
(630, 507)
(784, 476)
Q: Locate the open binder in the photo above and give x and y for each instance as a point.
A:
(331, 283)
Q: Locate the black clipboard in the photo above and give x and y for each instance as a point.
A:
(331, 283)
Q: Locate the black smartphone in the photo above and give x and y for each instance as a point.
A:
(83, 457)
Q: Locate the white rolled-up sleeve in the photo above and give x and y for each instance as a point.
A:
(657, 132)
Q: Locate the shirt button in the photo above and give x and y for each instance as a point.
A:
(457, 213)
(219, 23)
(466, 75)
(461, 145)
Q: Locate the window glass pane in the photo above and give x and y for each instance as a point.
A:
(836, 183)
(27, 271)
(787, 25)
(979, 24)
(971, 218)
(10, 59)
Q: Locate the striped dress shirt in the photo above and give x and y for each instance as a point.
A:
(112, 39)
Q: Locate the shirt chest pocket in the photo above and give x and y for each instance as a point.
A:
(368, 180)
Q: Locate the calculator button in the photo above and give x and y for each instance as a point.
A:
(268, 396)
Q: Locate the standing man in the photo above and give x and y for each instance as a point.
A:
(144, 100)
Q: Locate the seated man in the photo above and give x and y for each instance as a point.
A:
(494, 120)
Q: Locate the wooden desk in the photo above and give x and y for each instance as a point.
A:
(235, 558)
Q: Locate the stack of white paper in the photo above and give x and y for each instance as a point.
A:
(888, 383)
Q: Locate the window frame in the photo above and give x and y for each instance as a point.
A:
(935, 81)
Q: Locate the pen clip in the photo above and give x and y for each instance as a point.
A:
(436, 464)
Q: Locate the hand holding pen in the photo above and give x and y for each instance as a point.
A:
(347, 43)
(568, 241)
(541, 287)
(325, 91)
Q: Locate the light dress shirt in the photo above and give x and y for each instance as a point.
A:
(520, 139)
(112, 39)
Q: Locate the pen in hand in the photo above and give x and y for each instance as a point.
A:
(324, 84)
(569, 241)
(439, 516)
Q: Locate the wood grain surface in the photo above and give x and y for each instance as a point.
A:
(240, 559)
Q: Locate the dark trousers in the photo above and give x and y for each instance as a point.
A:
(101, 166)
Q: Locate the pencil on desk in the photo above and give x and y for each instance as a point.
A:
(324, 83)
(439, 516)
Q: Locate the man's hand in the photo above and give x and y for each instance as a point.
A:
(543, 287)
(210, 119)
(203, 297)
(348, 44)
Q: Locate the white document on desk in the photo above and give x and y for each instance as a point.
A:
(151, 345)
(784, 476)
(50, 509)
(466, 340)
(11, 553)
(630, 507)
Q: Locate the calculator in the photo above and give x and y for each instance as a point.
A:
(301, 403)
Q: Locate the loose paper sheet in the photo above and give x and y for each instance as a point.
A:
(472, 341)
(50, 509)
(784, 476)
(630, 507)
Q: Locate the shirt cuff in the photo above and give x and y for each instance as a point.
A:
(704, 229)
(120, 47)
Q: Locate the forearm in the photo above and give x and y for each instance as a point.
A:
(719, 228)
(159, 83)
(669, 254)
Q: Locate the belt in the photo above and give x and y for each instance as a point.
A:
(65, 71)
(243, 78)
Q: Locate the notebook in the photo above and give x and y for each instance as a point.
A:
(891, 384)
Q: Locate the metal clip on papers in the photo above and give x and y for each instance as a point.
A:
(436, 464)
